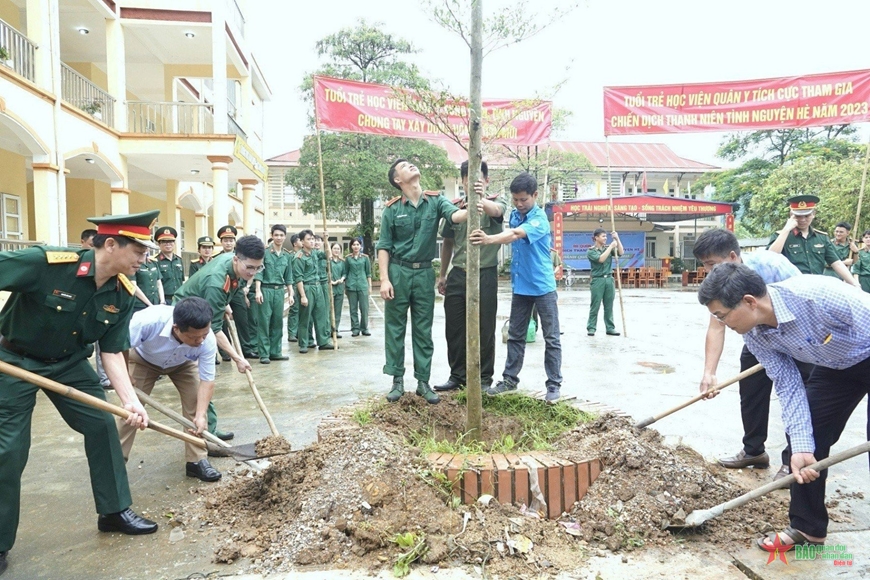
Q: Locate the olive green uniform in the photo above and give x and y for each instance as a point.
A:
(338, 271)
(358, 272)
(246, 323)
(322, 309)
(195, 267)
(293, 313)
(306, 270)
(601, 289)
(54, 313)
(861, 267)
(171, 273)
(843, 252)
(147, 278)
(408, 234)
(274, 279)
(810, 254)
(217, 284)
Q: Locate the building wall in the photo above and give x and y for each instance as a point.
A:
(85, 198)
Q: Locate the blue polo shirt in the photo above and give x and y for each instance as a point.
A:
(531, 266)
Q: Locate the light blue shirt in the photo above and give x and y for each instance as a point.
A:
(771, 266)
(531, 266)
(151, 336)
(821, 321)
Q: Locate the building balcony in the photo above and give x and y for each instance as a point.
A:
(18, 51)
(170, 118)
(82, 93)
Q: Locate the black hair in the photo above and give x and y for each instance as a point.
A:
(463, 169)
(191, 312)
(728, 283)
(293, 239)
(598, 232)
(845, 225)
(100, 240)
(716, 243)
(305, 233)
(318, 237)
(392, 172)
(250, 247)
(866, 232)
(88, 234)
(280, 228)
(524, 182)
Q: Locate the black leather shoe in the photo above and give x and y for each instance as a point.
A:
(127, 522)
(3, 563)
(450, 385)
(203, 470)
(224, 435)
(327, 346)
(282, 357)
(265, 360)
(252, 355)
(225, 358)
(366, 333)
(291, 339)
(742, 460)
(614, 333)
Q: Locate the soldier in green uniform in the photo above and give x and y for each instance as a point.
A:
(218, 281)
(171, 267)
(409, 226)
(293, 313)
(843, 246)
(321, 309)
(805, 247)
(61, 302)
(240, 304)
(205, 247)
(862, 264)
(337, 282)
(306, 276)
(600, 256)
(358, 282)
(149, 282)
(452, 286)
(269, 286)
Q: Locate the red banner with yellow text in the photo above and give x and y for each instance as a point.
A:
(781, 103)
(355, 107)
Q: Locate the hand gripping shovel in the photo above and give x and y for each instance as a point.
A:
(235, 336)
(75, 394)
(698, 517)
(696, 398)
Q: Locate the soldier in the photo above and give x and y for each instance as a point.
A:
(843, 246)
(148, 281)
(452, 286)
(88, 238)
(358, 280)
(269, 286)
(409, 226)
(218, 281)
(321, 310)
(61, 301)
(171, 268)
(600, 256)
(862, 264)
(306, 276)
(337, 282)
(805, 247)
(240, 304)
(205, 247)
(293, 314)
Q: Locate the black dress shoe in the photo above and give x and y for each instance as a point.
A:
(327, 346)
(366, 333)
(614, 333)
(252, 355)
(127, 522)
(3, 563)
(742, 460)
(203, 470)
(450, 385)
(291, 339)
(224, 435)
(282, 357)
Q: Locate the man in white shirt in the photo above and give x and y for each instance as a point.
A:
(176, 341)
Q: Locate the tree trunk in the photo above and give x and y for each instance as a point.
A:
(367, 224)
(472, 284)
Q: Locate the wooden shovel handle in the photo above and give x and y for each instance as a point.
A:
(235, 336)
(96, 402)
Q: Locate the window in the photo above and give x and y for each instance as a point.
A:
(181, 235)
(651, 248)
(11, 218)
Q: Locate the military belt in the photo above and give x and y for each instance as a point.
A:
(412, 265)
(271, 285)
(5, 343)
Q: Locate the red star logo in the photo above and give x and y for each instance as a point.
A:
(777, 550)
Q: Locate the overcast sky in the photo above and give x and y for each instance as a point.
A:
(601, 43)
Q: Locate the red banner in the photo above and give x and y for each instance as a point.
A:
(355, 107)
(782, 103)
(647, 204)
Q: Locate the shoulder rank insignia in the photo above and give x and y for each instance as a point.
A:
(432, 193)
(392, 201)
(128, 286)
(61, 257)
(227, 284)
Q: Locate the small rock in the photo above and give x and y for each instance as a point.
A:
(176, 535)
(625, 559)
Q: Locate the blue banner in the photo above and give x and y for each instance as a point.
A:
(575, 244)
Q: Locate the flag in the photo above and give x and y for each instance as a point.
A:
(643, 182)
(666, 187)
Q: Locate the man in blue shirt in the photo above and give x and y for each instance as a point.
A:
(533, 286)
(715, 247)
(814, 319)
(177, 342)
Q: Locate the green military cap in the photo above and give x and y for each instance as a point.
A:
(227, 232)
(166, 234)
(802, 204)
(205, 241)
(135, 226)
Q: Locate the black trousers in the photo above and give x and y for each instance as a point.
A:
(454, 323)
(755, 405)
(832, 396)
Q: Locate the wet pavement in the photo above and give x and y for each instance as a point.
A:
(655, 367)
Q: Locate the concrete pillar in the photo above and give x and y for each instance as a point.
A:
(45, 203)
(39, 31)
(249, 217)
(201, 226)
(219, 66)
(246, 116)
(220, 184)
(116, 70)
(168, 215)
(120, 201)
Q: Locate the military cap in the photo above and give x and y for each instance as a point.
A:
(166, 234)
(135, 226)
(802, 204)
(227, 232)
(205, 241)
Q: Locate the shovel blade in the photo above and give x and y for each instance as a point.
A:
(245, 452)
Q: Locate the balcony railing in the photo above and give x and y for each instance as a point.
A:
(234, 128)
(170, 118)
(19, 51)
(82, 93)
(234, 14)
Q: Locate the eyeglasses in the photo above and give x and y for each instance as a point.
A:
(723, 317)
(254, 269)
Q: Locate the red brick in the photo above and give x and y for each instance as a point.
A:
(436, 459)
(453, 468)
(469, 487)
(487, 475)
(594, 470)
(503, 480)
(514, 460)
(569, 485)
(552, 488)
(521, 484)
(582, 479)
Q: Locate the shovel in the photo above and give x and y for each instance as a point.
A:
(75, 394)
(698, 517)
(696, 398)
(235, 336)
